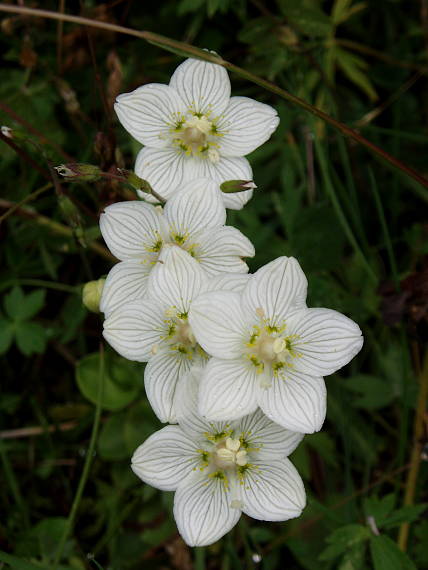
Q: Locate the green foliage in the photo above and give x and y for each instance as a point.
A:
(357, 227)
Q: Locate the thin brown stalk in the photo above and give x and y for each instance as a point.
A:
(192, 51)
(20, 433)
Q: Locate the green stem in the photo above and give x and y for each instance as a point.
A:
(188, 50)
(87, 466)
(13, 484)
(76, 289)
(28, 198)
(200, 558)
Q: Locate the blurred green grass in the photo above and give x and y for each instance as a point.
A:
(358, 228)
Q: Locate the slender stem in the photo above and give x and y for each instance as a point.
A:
(200, 558)
(191, 51)
(87, 466)
(76, 289)
(415, 458)
(56, 227)
(13, 483)
(28, 198)
(387, 237)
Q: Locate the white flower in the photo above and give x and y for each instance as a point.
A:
(220, 470)
(269, 349)
(192, 128)
(194, 218)
(156, 329)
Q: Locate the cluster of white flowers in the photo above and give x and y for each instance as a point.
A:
(236, 360)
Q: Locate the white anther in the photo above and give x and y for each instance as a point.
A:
(279, 345)
(233, 444)
(154, 349)
(241, 458)
(213, 155)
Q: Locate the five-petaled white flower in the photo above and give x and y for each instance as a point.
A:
(269, 349)
(156, 329)
(192, 128)
(219, 470)
(194, 218)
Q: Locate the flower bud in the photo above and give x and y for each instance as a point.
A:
(229, 186)
(77, 172)
(91, 295)
(135, 181)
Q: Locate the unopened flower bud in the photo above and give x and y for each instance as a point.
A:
(230, 186)
(6, 131)
(135, 181)
(91, 295)
(77, 172)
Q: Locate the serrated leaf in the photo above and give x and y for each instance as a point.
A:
(353, 66)
(30, 337)
(6, 335)
(379, 507)
(409, 513)
(123, 380)
(344, 538)
(387, 556)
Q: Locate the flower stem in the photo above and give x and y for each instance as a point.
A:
(86, 467)
(188, 50)
(415, 458)
(28, 198)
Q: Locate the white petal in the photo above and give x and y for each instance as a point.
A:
(165, 458)
(278, 288)
(227, 282)
(225, 169)
(222, 249)
(197, 205)
(133, 329)
(270, 439)
(126, 281)
(177, 278)
(163, 169)
(219, 324)
(203, 86)
(327, 340)
(130, 229)
(297, 401)
(186, 407)
(245, 125)
(150, 113)
(273, 492)
(161, 377)
(228, 389)
(202, 509)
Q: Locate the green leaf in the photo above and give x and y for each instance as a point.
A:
(6, 335)
(18, 564)
(21, 307)
(122, 383)
(387, 556)
(379, 507)
(353, 66)
(344, 538)
(41, 540)
(410, 513)
(308, 20)
(30, 338)
(111, 442)
(373, 392)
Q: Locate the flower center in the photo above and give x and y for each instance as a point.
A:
(229, 453)
(195, 136)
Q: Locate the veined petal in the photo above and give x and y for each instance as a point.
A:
(186, 407)
(228, 389)
(177, 278)
(163, 169)
(197, 205)
(219, 324)
(221, 249)
(135, 328)
(227, 282)
(236, 168)
(245, 125)
(161, 377)
(203, 86)
(326, 340)
(295, 401)
(278, 288)
(126, 281)
(130, 229)
(270, 439)
(165, 458)
(202, 509)
(151, 113)
(273, 491)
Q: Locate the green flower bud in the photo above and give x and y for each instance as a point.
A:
(91, 295)
(135, 181)
(77, 171)
(229, 186)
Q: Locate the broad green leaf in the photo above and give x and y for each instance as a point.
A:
(373, 392)
(30, 337)
(21, 307)
(353, 67)
(344, 538)
(41, 540)
(111, 442)
(410, 513)
(6, 335)
(13, 302)
(123, 380)
(19, 564)
(379, 507)
(139, 423)
(387, 556)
